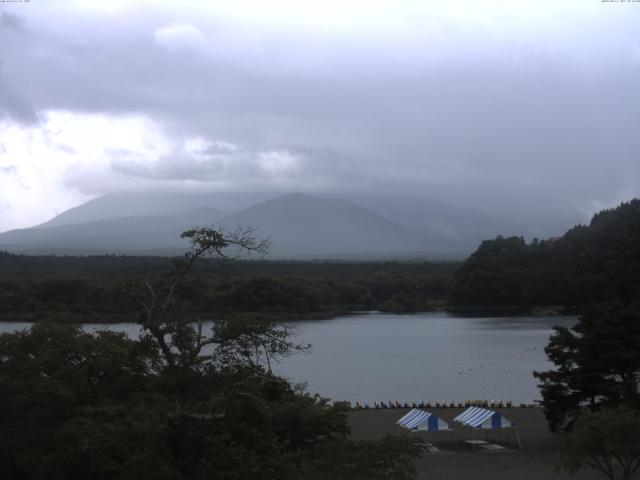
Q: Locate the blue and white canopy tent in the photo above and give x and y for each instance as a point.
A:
(482, 418)
(478, 417)
(421, 420)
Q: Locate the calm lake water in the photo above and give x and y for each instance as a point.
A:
(426, 356)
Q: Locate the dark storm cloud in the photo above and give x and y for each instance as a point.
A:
(473, 114)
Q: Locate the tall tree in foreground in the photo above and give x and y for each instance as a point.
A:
(607, 441)
(176, 337)
(597, 364)
(175, 404)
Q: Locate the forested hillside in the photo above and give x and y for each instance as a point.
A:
(588, 264)
(94, 288)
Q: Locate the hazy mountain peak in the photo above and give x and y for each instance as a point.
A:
(303, 225)
(126, 204)
(298, 224)
(144, 204)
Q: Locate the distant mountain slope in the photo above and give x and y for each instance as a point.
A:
(298, 226)
(420, 226)
(145, 204)
(458, 229)
(587, 264)
(133, 235)
(302, 225)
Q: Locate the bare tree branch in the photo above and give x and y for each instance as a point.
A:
(204, 242)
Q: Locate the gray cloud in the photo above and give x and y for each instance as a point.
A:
(217, 161)
(14, 105)
(13, 22)
(470, 113)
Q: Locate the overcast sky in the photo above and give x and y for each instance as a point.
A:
(505, 105)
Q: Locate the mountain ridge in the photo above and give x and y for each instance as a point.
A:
(127, 204)
(299, 226)
(298, 219)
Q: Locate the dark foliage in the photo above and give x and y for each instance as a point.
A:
(587, 264)
(607, 441)
(82, 406)
(90, 288)
(597, 364)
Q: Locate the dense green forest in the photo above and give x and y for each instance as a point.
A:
(588, 264)
(92, 287)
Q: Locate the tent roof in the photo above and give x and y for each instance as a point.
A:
(478, 417)
(418, 419)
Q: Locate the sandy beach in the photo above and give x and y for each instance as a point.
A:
(536, 460)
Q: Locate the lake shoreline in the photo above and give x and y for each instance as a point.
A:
(358, 357)
(109, 318)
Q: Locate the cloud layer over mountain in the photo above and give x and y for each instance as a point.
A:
(512, 107)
